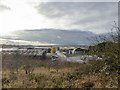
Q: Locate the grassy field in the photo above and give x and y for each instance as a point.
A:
(35, 72)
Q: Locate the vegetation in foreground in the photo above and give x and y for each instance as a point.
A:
(29, 72)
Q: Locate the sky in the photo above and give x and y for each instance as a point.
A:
(97, 17)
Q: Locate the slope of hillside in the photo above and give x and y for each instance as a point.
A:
(52, 36)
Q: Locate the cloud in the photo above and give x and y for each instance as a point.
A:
(3, 7)
(81, 15)
(34, 14)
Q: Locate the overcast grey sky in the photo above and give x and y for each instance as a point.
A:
(97, 17)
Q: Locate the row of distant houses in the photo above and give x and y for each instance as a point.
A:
(24, 51)
(61, 52)
(38, 51)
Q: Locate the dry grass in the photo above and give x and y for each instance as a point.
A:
(44, 74)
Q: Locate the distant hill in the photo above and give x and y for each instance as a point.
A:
(52, 36)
